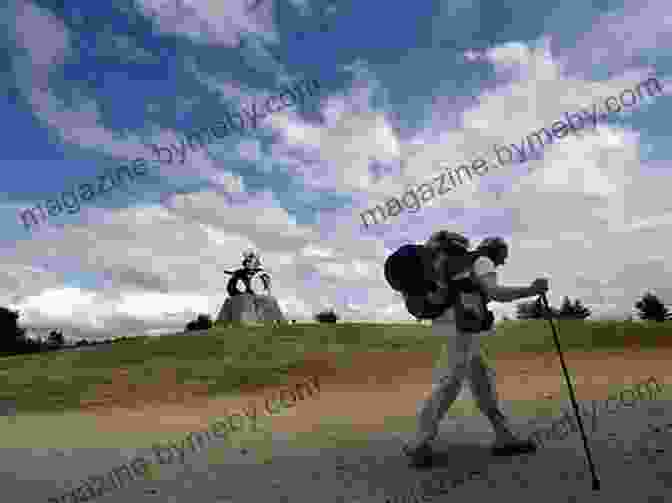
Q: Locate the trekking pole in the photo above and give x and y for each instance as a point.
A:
(596, 480)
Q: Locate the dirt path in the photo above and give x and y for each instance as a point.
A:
(377, 385)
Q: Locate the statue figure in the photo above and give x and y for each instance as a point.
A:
(253, 302)
(250, 271)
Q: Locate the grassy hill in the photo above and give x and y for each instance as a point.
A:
(227, 358)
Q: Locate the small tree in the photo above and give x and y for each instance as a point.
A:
(652, 308)
(575, 311)
(13, 338)
(533, 310)
(566, 309)
(530, 310)
(581, 312)
(328, 316)
(9, 327)
(55, 338)
(202, 322)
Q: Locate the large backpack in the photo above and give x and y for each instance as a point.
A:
(410, 271)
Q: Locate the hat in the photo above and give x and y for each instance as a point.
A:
(492, 243)
(443, 239)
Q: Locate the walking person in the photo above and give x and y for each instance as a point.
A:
(463, 358)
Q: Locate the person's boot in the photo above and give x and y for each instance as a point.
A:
(507, 444)
(420, 456)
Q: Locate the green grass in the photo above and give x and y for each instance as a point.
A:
(48, 387)
(226, 358)
(535, 335)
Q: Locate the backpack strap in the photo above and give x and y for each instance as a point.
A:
(482, 294)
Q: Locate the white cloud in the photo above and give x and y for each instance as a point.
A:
(60, 303)
(315, 251)
(145, 305)
(207, 21)
(587, 216)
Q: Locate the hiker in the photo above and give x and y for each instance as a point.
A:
(463, 347)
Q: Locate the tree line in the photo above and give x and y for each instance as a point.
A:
(204, 322)
(14, 339)
(649, 307)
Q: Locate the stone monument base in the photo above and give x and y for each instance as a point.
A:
(251, 309)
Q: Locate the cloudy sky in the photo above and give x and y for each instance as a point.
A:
(88, 85)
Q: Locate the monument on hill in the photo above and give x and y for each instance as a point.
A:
(250, 299)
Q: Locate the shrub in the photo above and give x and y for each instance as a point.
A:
(328, 316)
(55, 338)
(202, 322)
(652, 308)
(13, 339)
(534, 310)
(530, 310)
(576, 311)
(11, 336)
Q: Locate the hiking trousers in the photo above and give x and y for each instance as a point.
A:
(461, 359)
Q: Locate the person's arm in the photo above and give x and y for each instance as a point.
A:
(503, 293)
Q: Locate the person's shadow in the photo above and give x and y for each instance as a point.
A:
(8, 408)
(463, 463)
